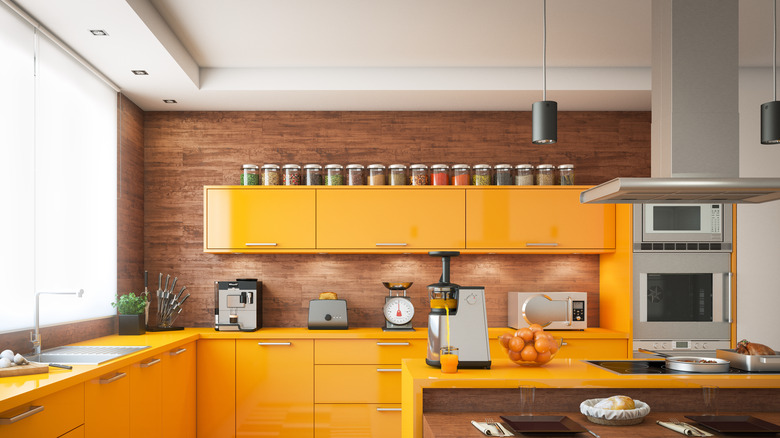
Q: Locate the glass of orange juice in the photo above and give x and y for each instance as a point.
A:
(448, 358)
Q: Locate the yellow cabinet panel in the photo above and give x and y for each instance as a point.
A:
(367, 351)
(353, 420)
(75, 433)
(47, 417)
(391, 219)
(107, 405)
(257, 219)
(593, 349)
(357, 383)
(216, 383)
(178, 391)
(537, 219)
(146, 397)
(275, 388)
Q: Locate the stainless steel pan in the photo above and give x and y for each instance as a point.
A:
(693, 364)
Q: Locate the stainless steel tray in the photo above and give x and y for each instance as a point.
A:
(750, 362)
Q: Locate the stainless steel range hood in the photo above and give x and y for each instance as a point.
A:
(695, 113)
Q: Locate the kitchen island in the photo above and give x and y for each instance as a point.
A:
(563, 384)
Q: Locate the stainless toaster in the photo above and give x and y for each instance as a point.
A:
(328, 315)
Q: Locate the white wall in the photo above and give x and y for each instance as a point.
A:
(758, 226)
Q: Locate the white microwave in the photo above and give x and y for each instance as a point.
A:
(683, 227)
(551, 310)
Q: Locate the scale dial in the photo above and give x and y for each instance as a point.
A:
(398, 310)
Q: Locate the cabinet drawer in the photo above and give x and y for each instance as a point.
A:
(593, 348)
(343, 420)
(357, 384)
(368, 351)
(49, 416)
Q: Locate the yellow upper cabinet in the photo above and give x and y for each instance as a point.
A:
(540, 219)
(396, 219)
(258, 219)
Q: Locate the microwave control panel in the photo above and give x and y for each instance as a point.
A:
(715, 219)
(578, 310)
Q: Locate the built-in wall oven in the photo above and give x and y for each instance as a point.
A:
(682, 296)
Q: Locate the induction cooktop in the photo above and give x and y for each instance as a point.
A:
(640, 366)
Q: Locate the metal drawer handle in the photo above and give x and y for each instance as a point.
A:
(32, 410)
(177, 352)
(541, 244)
(387, 409)
(388, 370)
(563, 343)
(384, 344)
(112, 379)
(150, 363)
(274, 343)
(260, 244)
(390, 244)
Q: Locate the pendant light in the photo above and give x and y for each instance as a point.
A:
(770, 111)
(544, 114)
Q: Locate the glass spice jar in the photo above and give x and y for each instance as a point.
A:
(566, 174)
(250, 175)
(524, 175)
(418, 175)
(334, 175)
(503, 174)
(440, 175)
(461, 175)
(312, 175)
(544, 175)
(270, 174)
(481, 175)
(397, 175)
(376, 175)
(355, 175)
(291, 175)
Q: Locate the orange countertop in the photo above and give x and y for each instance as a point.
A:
(17, 390)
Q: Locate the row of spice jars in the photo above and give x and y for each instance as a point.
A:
(397, 175)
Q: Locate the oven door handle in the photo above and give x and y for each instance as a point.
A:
(570, 312)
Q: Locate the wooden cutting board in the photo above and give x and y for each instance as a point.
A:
(21, 370)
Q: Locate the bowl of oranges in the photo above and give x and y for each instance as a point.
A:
(530, 346)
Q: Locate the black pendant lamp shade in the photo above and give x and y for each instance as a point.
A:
(770, 122)
(545, 121)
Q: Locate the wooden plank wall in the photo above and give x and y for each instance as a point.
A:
(183, 151)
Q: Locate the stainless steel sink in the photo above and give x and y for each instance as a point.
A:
(83, 354)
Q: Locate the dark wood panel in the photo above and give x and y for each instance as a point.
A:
(186, 150)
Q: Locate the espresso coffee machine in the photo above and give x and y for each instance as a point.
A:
(467, 319)
(239, 305)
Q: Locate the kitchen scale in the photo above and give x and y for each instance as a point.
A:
(398, 309)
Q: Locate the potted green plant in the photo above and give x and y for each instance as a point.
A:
(131, 308)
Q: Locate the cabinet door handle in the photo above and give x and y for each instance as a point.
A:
(177, 352)
(150, 363)
(563, 343)
(541, 244)
(112, 379)
(388, 370)
(32, 410)
(387, 409)
(274, 343)
(390, 244)
(385, 344)
(260, 244)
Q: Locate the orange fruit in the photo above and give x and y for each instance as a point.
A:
(543, 357)
(515, 344)
(535, 327)
(540, 334)
(553, 346)
(529, 353)
(525, 333)
(542, 345)
(515, 356)
(504, 339)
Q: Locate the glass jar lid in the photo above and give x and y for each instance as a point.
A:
(312, 166)
(566, 166)
(418, 166)
(250, 166)
(503, 166)
(524, 167)
(440, 166)
(334, 166)
(461, 166)
(376, 166)
(270, 166)
(545, 166)
(355, 166)
(291, 166)
(397, 166)
(482, 166)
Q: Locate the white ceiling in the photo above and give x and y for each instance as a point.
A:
(375, 55)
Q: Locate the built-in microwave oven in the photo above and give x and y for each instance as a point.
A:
(551, 310)
(683, 227)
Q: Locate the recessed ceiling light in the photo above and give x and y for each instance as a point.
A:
(98, 32)
(169, 100)
(140, 72)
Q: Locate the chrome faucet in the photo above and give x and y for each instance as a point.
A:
(35, 337)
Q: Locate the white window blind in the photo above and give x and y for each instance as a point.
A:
(64, 179)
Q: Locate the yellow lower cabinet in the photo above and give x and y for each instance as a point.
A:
(146, 398)
(179, 392)
(107, 405)
(357, 420)
(275, 388)
(216, 383)
(357, 383)
(593, 348)
(48, 417)
(78, 432)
